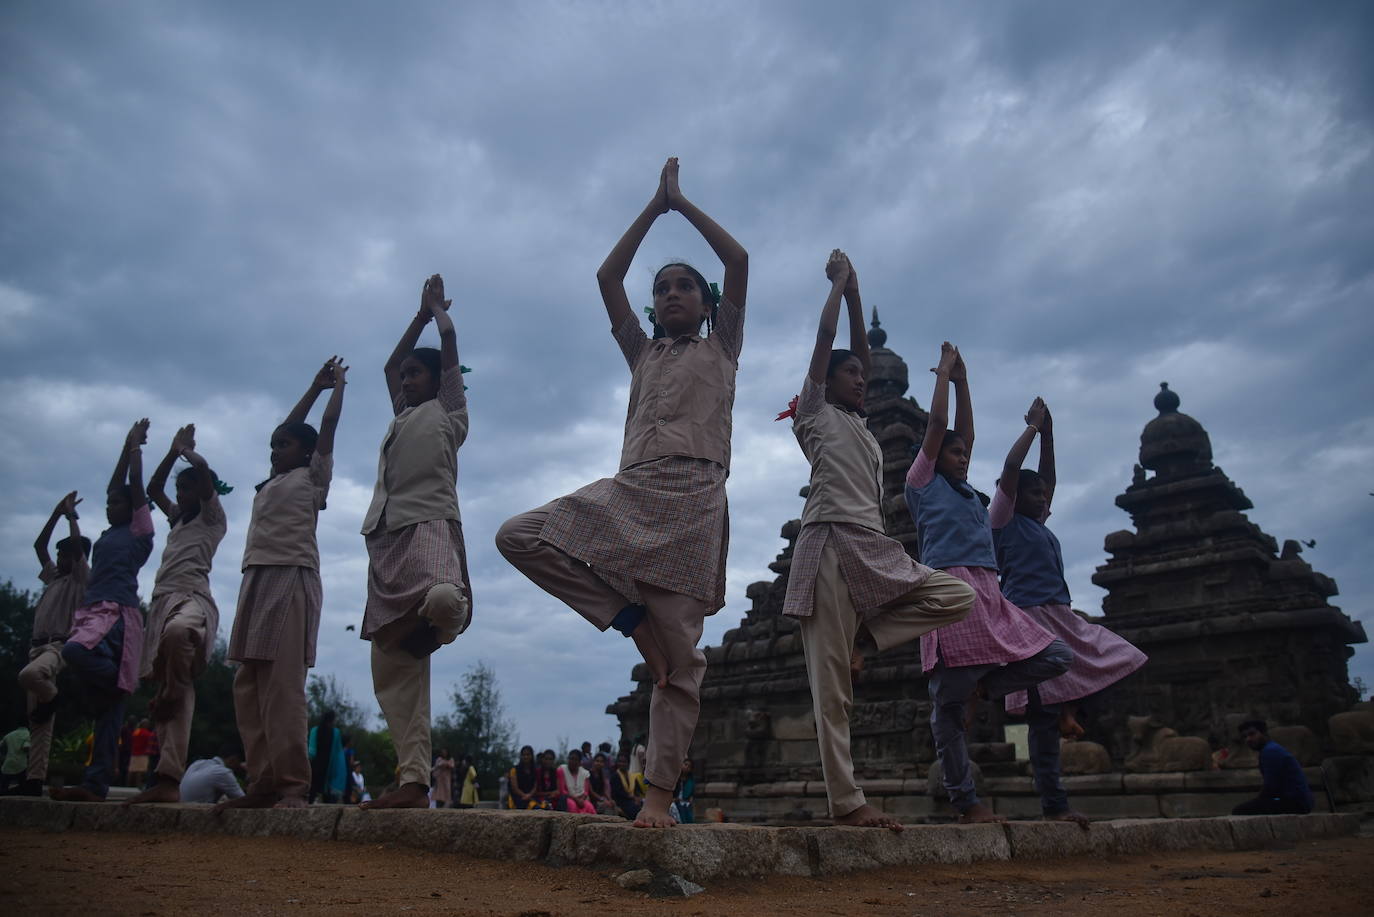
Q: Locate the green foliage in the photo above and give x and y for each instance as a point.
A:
(323, 692)
(16, 627)
(478, 726)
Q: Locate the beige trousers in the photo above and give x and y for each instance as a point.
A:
(269, 705)
(176, 663)
(676, 619)
(39, 681)
(401, 682)
(828, 639)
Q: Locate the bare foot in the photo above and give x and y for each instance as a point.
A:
(290, 802)
(248, 801)
(1077, 818)
(407, 796)
(165, 790)
(75, 794)
(646, 641)
(654, 812)
(1069, 726)
(980, 814)
(865, 816)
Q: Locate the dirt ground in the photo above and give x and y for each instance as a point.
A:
(81, 873)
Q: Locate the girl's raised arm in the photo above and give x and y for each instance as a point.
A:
(65, 507)
(730, 252)
(1016, 456)
(157, 484)
(133, 453)
(963, 402)
(121, 469)
(324, 379)
(938, 418)
(1047, 473)
(330, 421)
(205, 478)
(610, 277)
(837, 270)
(411, 335)
(438, 310)
(858, 338)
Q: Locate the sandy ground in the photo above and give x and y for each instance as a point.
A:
(82, 873)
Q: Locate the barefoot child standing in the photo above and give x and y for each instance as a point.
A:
(107, 630)
(644, 552)
(64, 583)
(1032, 568)
(418, 596)
(997, 645)
(846, 574)
(278, 616)
(184, 618)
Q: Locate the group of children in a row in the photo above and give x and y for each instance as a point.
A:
(611, 785)
(642, 552)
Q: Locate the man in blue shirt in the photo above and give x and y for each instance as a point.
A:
(1285, 786)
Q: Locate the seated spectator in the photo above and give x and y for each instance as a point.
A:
(623, 787)
(686, 789)
(599, 786)
(1285, 789)
(211, 779)
(572, 785)
(546, 781)
(522, 780)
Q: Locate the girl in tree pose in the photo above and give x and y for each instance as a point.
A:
(846, 573)
(1032, 568)
(418, 596)
(644, 552)
(278, 615)
(107, 629)
(997, 646)
(184, 618)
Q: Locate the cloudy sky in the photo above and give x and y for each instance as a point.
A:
(203, 201)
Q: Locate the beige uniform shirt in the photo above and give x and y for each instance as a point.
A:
(190, 550)
(52, 616)
(418, 468)
(681, 390)
(282, 530)
(846, 462)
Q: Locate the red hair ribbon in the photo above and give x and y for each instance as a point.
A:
(791, 409)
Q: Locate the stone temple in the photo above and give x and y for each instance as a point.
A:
(1233, 628)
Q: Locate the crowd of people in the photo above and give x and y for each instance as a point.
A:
(642, 553)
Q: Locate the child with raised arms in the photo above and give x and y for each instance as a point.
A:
(644, 552)
(997, 646)
(184, 618)
(278, 616)
(846, 574)
(106, 640)
(418, 595)
(1032, 569)
(64, 583)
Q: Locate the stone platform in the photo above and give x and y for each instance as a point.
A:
(701, 852)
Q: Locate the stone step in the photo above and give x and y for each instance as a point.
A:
(701, 852)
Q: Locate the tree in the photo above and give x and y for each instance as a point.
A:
(478, 726)
(323, 692)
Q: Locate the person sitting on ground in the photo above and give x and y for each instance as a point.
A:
(209, 780)
(1285, 789)
(599, 786)
(623, 786)
(572, 785)
(546, 781)
(521, 780)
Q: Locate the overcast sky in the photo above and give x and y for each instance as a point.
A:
(201, 202)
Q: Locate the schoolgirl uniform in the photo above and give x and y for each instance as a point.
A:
(657, 533)
(997, 643)
(52, 622)
(417, 565)
(846, 571)
(182, 625)
(276, 626)
(1032, 568)
(107, 636)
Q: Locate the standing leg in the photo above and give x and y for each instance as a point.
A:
(677, 621)
(284, 715)
(1043, 720)
(178, 654)
(401, 682)
(99, 669)
(827, 639)
(249, 685)
(950, 688)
